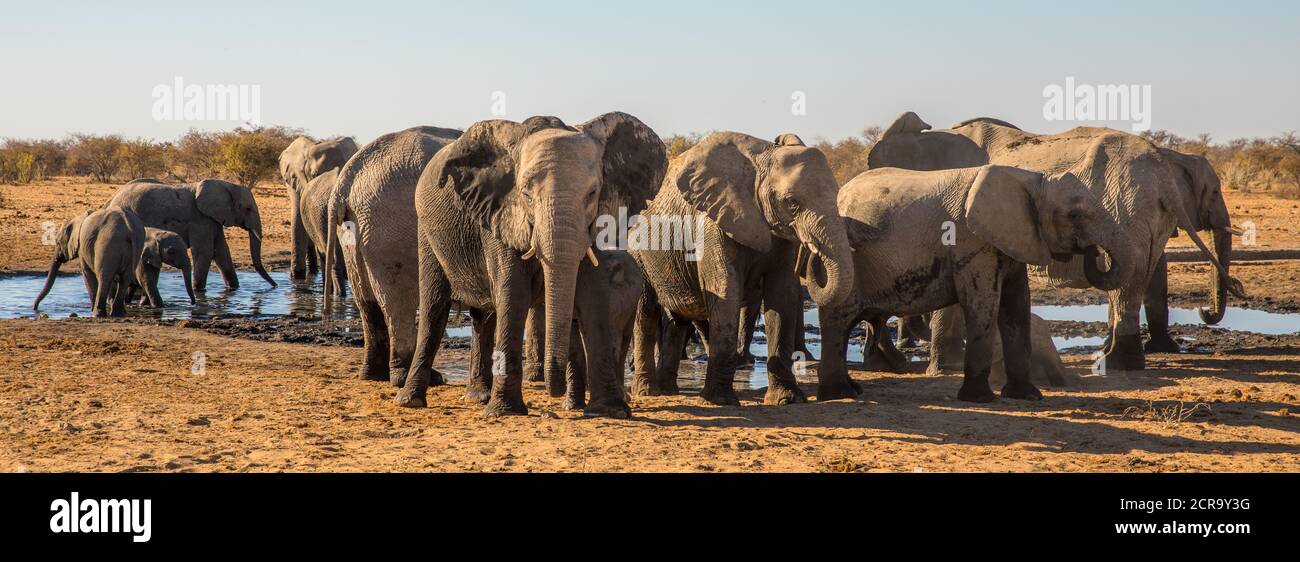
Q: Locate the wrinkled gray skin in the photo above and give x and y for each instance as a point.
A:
(160, 247)
(108, 242)
(769, 218)
(373, 197)
(199, 213)
(506, 216)
(313, 206)
(1132, 178)
(302, 161)
(924, 240)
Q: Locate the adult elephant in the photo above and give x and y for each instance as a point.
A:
(925, 240)
(108, 243)
(199, 212)
(506, 215)
(303, 160)
(313, 204)
(372, 203)
(766, 214)
(1130, 176)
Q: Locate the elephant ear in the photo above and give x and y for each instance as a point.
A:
(151, 254)
(718, 179)
(1000, 210)
(906, 123)
(216, 199)
(633, 161)
(479, 167)
(71, 235)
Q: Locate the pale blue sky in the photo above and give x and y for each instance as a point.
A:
(1231, 69)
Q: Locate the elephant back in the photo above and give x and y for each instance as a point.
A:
(159, 205)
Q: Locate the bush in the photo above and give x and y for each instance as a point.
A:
(252, 155)
(142, 158)
(99, 157)
(677, 144)
(197, 155)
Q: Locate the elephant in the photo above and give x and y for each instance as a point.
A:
(924, 240)
(108, 242)
(506, 215)
(373, 199)
(199, 212)
(1132, 178)
(160, 247)
(1045, 366)
(1202, 197)
(766, 217)
(303, 160)
(313, 206)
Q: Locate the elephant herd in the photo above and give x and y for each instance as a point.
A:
(504, 220)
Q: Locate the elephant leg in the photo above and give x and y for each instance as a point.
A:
(748, 320)
(297, 237)
(340, 272)
(783, 323)
(575, 372)
(719, 378)
(1156, 301)
(672, 346)
(201, 247)
(947, 341)
(103, 288)
(435, 305)
(534, 339)
(92, 285)
(313, 261)
(1015, 328)
(1124, 352)
(647, 330)
(373, 327)
(979, 289)
(481, 347)
(884, 357)
(225, 262)
(121, 286)
(512, 297)
(833, 381)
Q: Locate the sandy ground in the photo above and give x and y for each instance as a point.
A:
(111, 396)
(97, 395)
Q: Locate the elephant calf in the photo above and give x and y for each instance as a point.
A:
(108, 242)
(926, 240)
(160, 247)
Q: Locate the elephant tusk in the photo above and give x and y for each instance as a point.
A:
(591, 257)
(812, 247)
(532, 251)
(1235, 230)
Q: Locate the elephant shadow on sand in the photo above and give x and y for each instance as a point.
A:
(917, 409)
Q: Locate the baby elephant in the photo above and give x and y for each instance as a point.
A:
(160, 247)
(924, 240)
(109, 242)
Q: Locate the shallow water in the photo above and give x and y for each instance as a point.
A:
(254, 297)
(1239, 319)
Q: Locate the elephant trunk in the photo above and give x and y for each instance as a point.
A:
(828, 271)
(49, 281)
(1221, 249)
(183, 263)
(1120, 253)
(254, 226)
(560, 249)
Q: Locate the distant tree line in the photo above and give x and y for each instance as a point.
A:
(245, 156)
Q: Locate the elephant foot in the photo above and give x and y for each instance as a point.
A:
(499, 406)
(1021, 391)
(847, 388)
(719, 394)
(477, 393)
(373, 373)
(975, 390)
(572, 402)
(408, 398)
(617, 409)
(298, 275)
(1162, 343)
(892, 361)
(779, 394)
(908, 342)
(807, 355)
(1126, 354)
(643, 386)
(936, 369)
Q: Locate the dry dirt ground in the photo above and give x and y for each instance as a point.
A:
(96, 395)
